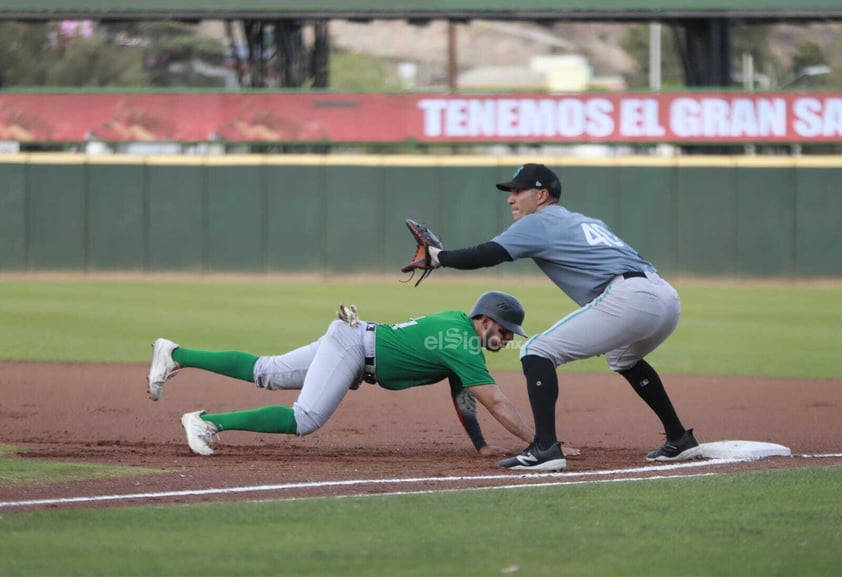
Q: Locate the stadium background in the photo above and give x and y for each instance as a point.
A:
(721, 216)
(732, 216)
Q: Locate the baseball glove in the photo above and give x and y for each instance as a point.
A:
(422, 259)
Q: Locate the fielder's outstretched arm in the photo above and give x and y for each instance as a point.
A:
(482, 255)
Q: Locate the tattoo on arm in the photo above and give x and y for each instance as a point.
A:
(466, 409)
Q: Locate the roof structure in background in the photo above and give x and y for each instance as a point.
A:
(420, 9)
(702, 27)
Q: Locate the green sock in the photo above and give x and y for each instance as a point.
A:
(229, 363)
(271, 419)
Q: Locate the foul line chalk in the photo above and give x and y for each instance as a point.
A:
(353, 482)
(492, 487)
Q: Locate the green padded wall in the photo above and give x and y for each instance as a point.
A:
(408, 192)
(591, 190)
(295, 218)
(647, 214)
(766, 222)
(354, 217)
(722, 217)
(470, 210)
(818, 219)
(58, 217)
(707, 217)
(235, 219)
(117, 237)
(177, 207)
(13, 210)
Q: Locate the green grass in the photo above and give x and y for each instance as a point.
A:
(761, 331)
(786, 331)
(18, 472)
(786, 522)
(771, 523)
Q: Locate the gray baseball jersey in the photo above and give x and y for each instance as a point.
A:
(623, 319)
(578, 253)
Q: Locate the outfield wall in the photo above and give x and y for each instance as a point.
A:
(702, 216)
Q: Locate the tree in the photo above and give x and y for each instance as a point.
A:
(835, 63)
(636, 44)
(95, 63)
(174, 55)
(360, 73)
(809, 54)
(117, 54)
(36, 54)
(21, 47)
(753, 39)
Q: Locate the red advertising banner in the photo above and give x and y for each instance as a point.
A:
(700, 117)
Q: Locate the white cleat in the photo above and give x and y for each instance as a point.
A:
(162, 367)
(200, 433)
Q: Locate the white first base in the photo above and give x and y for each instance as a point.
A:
(743, 450)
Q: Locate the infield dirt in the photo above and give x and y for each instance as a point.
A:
(97, 413)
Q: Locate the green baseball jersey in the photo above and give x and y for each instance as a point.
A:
(429, 349)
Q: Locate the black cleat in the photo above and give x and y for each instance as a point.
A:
(533, 459)
(683, 449)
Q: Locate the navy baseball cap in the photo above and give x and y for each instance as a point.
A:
(533, 176)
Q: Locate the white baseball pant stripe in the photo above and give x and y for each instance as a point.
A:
(629, 320)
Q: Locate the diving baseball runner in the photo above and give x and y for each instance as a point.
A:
(420, 351)
(626, 309)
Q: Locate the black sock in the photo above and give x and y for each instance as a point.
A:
(647, 384)
(542, 386)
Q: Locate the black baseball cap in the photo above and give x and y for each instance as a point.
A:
(503, 309)
(533, 176)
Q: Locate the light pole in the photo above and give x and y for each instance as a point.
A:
(655, 56)
(802, 78)
(805, 74)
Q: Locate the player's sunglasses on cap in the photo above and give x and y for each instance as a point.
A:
(533, 176)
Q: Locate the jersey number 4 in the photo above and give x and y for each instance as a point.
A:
(596, 234)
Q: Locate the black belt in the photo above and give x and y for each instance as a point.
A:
(368, 371)
(634, 274)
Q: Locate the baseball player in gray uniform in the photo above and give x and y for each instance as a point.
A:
(626, 312)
